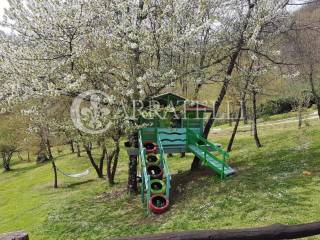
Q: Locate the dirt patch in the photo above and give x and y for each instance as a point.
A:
(113, 195)
(180, 182)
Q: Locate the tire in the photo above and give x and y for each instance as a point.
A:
(158, 187)
(158, 204)
(155, 171)
(151, 147)
(152, 158)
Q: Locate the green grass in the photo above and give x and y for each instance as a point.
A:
(269, 188)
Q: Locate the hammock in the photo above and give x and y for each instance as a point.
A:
(76, 175)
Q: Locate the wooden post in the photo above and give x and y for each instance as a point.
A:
(14, 236)
(272, 232)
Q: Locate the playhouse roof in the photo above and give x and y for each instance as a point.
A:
(170, 98)
(196, 106)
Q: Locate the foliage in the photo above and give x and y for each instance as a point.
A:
(278, 106)
(126, 49)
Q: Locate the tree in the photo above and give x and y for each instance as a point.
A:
(302, 46)
(12, 137)
(6, 152)
(129, 49)
(255, 91)
(242, 88)
(254, 27)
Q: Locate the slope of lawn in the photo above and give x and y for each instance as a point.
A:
(279, 183)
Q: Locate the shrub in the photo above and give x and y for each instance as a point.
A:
(279, 106)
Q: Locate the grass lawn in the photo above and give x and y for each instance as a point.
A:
(270, 187)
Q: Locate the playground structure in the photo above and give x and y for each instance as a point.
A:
(168, 136)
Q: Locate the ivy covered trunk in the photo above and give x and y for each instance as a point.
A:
(133, 166)
(132, 180)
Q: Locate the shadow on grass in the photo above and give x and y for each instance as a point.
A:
(73, 185)
(25, 169)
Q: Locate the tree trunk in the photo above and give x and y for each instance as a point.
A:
(255, 127)
(244, 112)
(132, 185)
(78, 150)
(133, 164)
(89, 145)
(318, 107)
(6, 156)
(196, 161)
(49, 149)
(71, 146)
(223, 90)
(235, 129)
(112, 162)
(54, 167)
(299, 116)
(132, 181)
(109, 168)
(6, 165)
(91, 159)
(241, 111)
(115, 161)
(103, 157)
(314, 91)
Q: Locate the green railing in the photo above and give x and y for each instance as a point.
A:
(164, 166)
(204, 145)
(145, 178)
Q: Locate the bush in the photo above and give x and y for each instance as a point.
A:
(279, 106)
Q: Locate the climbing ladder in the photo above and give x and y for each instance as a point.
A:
(146, 178)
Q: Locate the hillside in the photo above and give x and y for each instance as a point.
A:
(278, 183)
